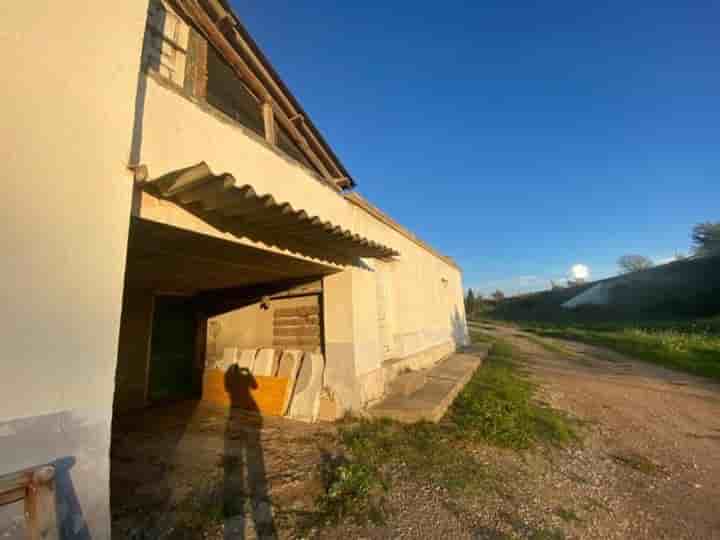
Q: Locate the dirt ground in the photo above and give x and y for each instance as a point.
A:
(648, 466)
(651, 454)
(177, 469)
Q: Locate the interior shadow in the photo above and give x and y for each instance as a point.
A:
(245, 485)
(145, 455)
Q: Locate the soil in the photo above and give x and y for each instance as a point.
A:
(648, 466)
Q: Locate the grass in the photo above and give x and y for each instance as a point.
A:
(693, 347)
(568, 515)
(496, 407)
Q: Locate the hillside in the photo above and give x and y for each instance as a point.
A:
(682, 289)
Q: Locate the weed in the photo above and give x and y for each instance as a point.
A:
(496, 406)
(568, 515)
(547, 534)
(547, 345)
(426, 451)
(352, 489)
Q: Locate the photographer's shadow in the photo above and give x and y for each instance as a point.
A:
(245, 488)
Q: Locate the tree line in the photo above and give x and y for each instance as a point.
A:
(476, 303)
(706, 242)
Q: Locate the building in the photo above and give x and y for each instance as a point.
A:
(167, 199)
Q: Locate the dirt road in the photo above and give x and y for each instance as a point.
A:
(652, 449)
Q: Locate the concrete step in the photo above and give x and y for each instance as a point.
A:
(431, 401)
(407, 383)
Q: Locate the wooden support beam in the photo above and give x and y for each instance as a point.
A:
(196, 67)
(269, 120)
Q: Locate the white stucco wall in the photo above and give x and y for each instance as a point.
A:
(67, 116)
(423, 311)
(424, 308)
(177, 133)
(425, 300)
(425, 304)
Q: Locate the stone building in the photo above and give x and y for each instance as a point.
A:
(168, 204)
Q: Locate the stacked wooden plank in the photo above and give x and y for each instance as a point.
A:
(269, 383)
(297, 328)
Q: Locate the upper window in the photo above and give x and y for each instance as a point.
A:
(171, 48)
(166, 42)
(227, 93)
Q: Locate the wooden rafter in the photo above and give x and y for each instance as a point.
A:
(223, 34)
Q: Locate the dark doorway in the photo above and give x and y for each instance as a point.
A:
(172, 350)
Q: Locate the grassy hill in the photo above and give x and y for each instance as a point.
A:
(684, 289)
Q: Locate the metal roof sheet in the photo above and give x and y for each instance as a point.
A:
(239, 209)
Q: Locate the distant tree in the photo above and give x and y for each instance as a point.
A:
(633, 263)
(478, 307)
(554, 285)
(469, 303)
(706, 237)
(498, 295)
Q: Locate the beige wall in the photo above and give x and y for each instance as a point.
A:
(67, 115)
(382, 311)
(250, 327)
(177, 133)
(340, 359)
(423, 307)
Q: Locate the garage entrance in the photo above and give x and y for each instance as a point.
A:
(172, 350)
(192, 304)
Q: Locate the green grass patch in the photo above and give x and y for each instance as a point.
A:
(496, 407)
(548, 345)
(352, 490)
(693, 347)
(568, 515)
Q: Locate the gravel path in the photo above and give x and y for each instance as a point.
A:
(653, 447)
(648, 467)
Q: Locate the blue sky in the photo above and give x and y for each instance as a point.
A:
(518, 138)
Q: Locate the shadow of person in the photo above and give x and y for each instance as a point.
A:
(245, 485)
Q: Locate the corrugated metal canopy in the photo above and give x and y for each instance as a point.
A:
(239, 210)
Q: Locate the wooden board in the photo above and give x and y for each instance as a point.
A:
(297, 311)
(236, 388)
(291, 341)
(296, 321)
(297, 331)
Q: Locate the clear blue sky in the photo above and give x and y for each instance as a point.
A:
(518, 138)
